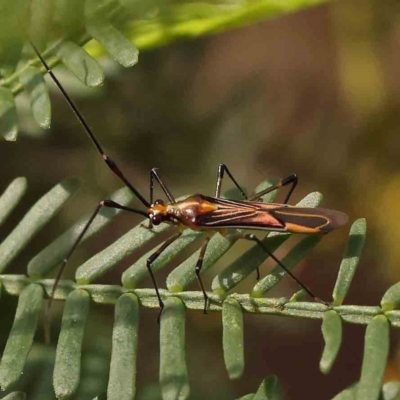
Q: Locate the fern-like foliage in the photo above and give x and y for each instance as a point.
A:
(120, 27)
(32, 289)
(59, 29)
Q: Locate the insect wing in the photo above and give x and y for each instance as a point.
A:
(239, 214)
(275, 217)
(309, 220)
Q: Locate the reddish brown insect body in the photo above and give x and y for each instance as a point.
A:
(200, 212)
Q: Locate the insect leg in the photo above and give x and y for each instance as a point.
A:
(250, 236)
(291, 179)
(154, 257)
(222, 168)
(199, 264)
(104, 203)
(110, 163)
(154, 174)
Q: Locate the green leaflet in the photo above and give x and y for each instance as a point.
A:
(11, 197)
(269, 389)
(347, 394)
(232, 341)
(67, 368)
(41, 13)
(137, 272)
(376, 351)
(21, 336)
(34, 83)
(391, 298)
(332, 333)
(116, 44)
(184, 274)
(299, 252)
(52, 255)
(8, 115)
(350, 260)
(298, 296)
(70, 15)
(173, 371)
(122, 380)
(15, 396)
(81, 64)
(39, 214)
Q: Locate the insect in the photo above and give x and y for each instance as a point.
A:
(211, 214)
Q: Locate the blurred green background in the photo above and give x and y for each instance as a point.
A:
(314, 93)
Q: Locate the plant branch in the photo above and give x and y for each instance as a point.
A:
(108, 294)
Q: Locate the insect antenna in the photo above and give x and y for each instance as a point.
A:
(105, 203)
(110, 163)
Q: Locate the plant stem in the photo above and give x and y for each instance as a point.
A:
(108, 294)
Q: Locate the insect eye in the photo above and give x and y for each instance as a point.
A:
(156, 219)
(159, 203)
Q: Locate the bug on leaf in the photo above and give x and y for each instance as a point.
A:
(210, 214)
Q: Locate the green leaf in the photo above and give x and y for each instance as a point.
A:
(137, 272)
(70, 15)
(194, 20)
(41, 13)
(69, 347)
(269, 389)
(351, 258)
(376, 350)
(332, 333)
(173, 371)
(81, 64)
(347, 394)
(51, 256)
(295, 255)
(8, 115)
(391, 391)
(232, 341)
(11, 197)
(14, 18)
(391, 298)
(21, 336)
(38, 216)
(102, 262)
(39, 371)
(298, 296)
(243, 266)
(116, 44)
(184, 274)
(15, 396)
(122, 381)
(34, 83)
(249, 396)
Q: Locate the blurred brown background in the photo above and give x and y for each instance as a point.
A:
(316, 93)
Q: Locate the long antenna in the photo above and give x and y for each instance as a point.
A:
(111, 164)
